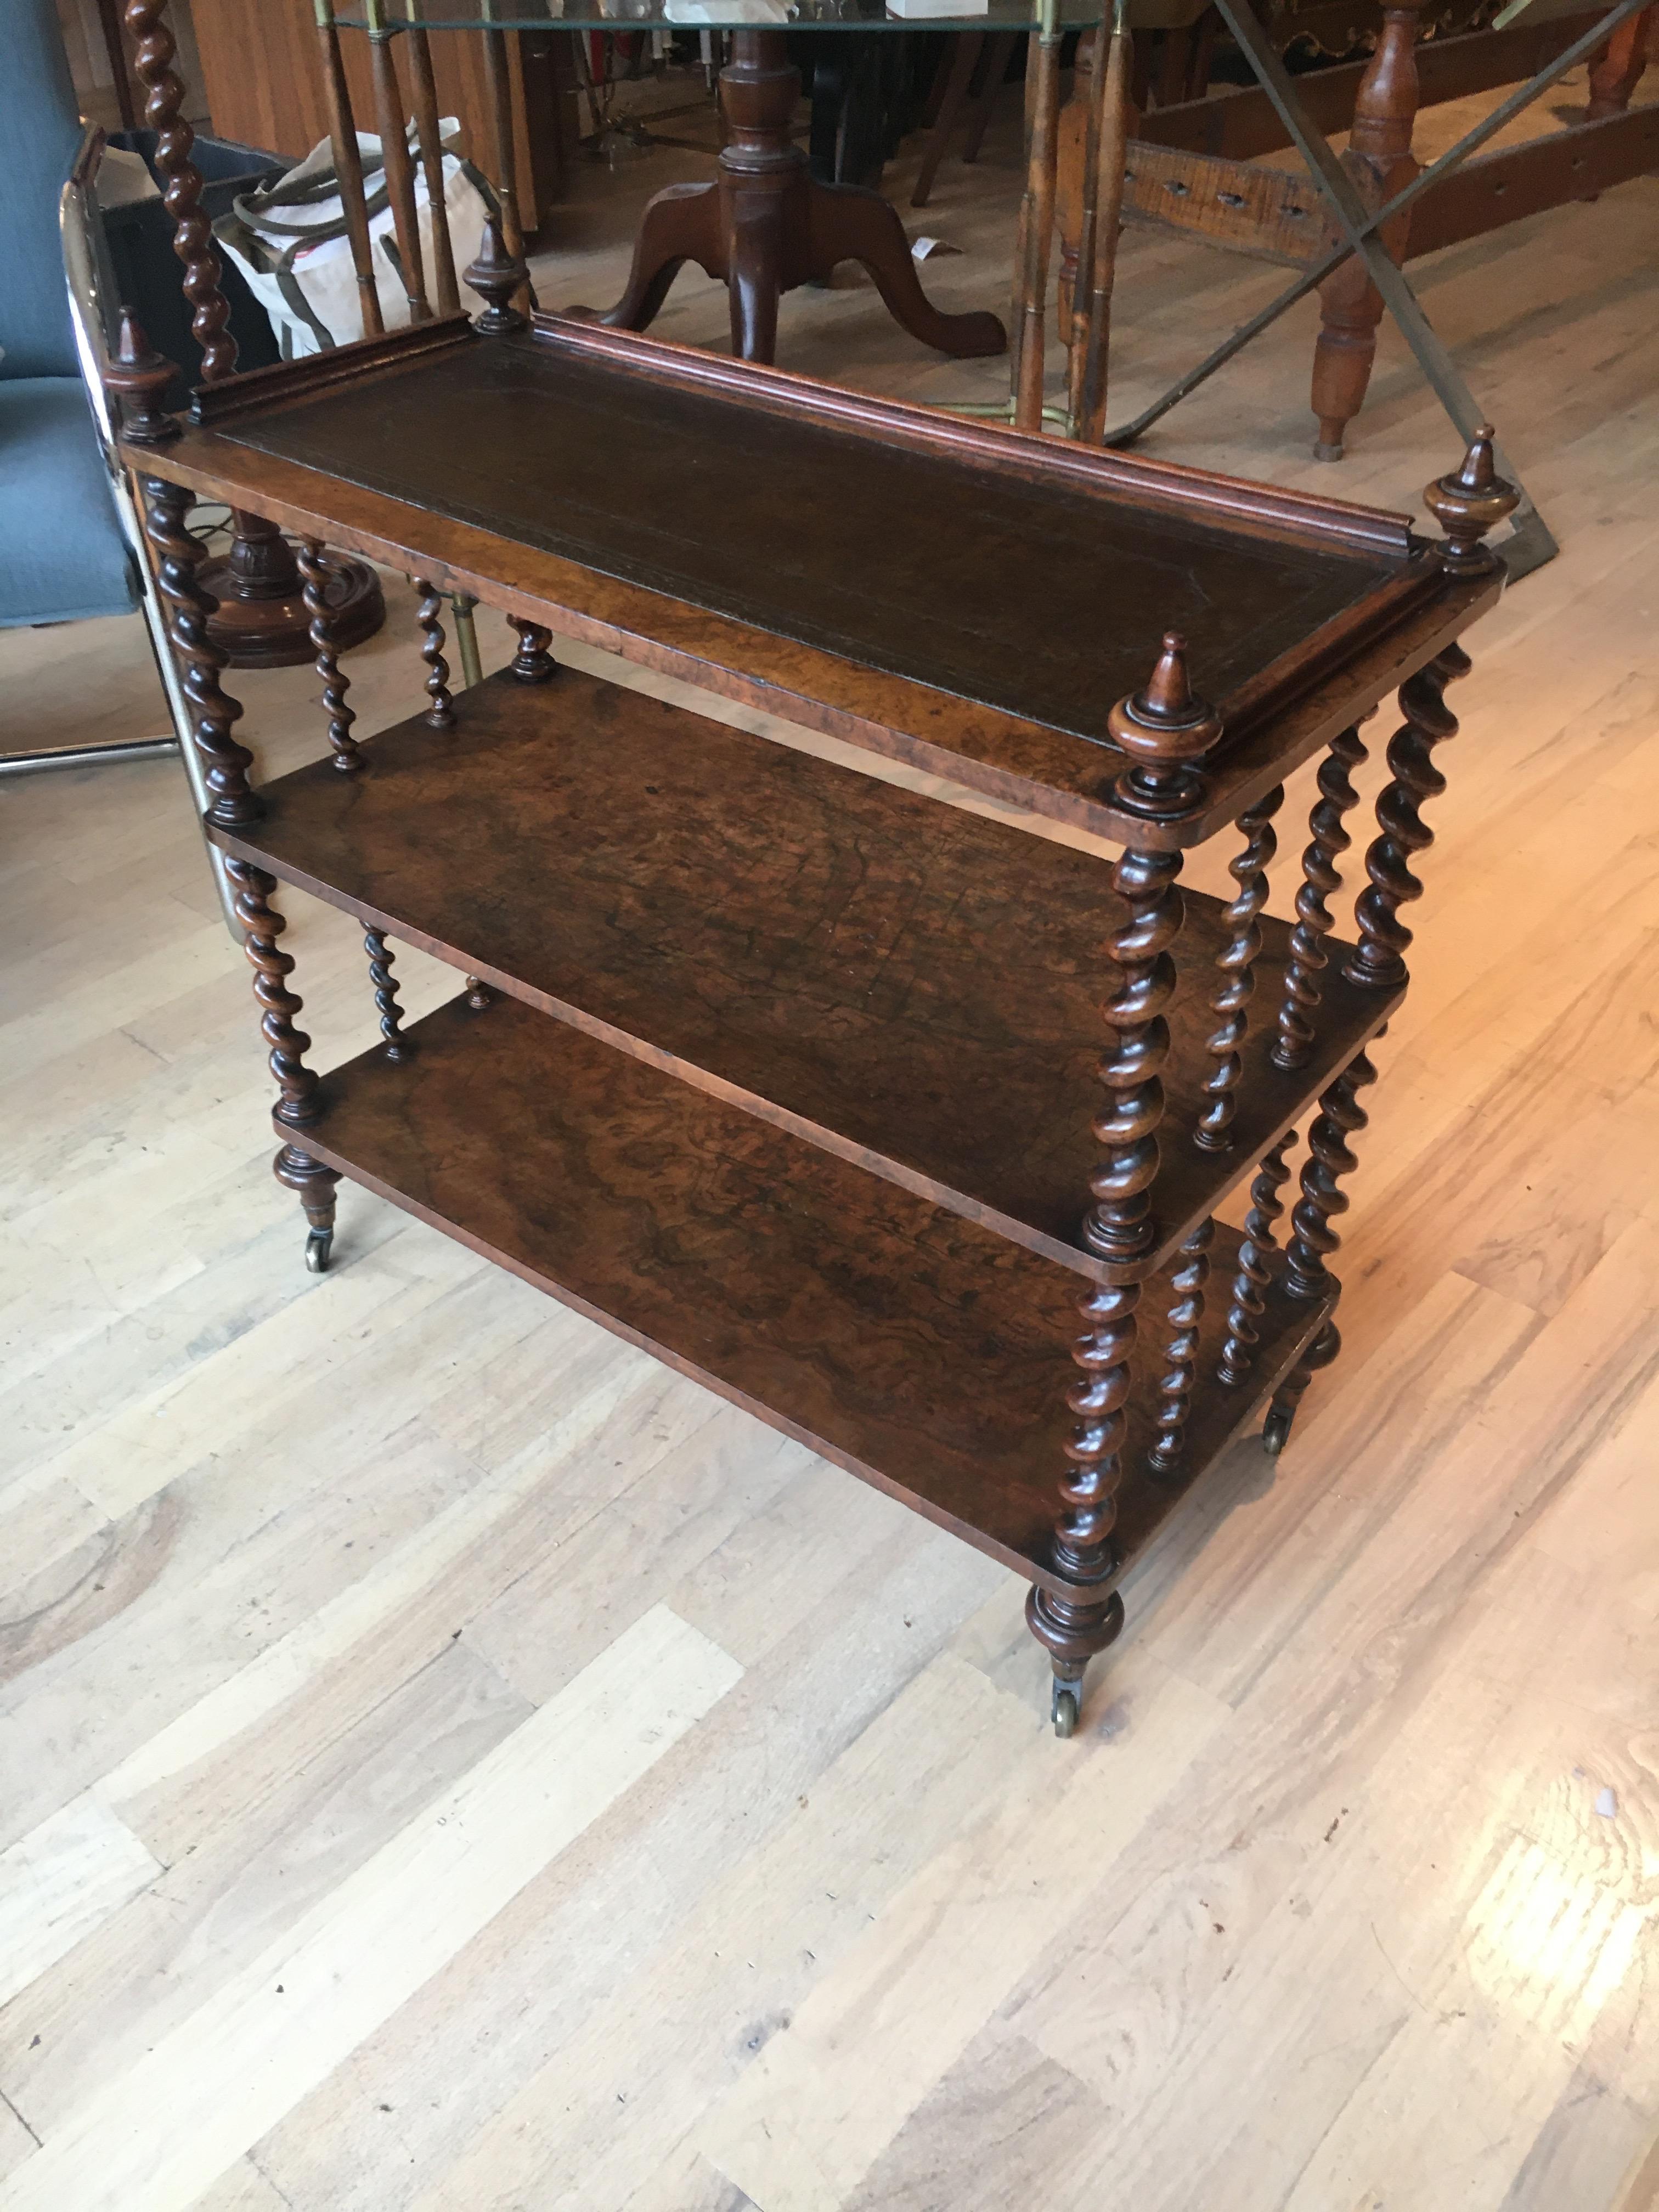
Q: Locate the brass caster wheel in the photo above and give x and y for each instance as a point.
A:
(1065, 1709)
(319, 1244)
(1276, 1435)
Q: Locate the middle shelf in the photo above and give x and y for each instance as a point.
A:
(912, 988)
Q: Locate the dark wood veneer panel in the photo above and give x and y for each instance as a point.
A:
(916, 988)
(912, 1347)
(1036, 595)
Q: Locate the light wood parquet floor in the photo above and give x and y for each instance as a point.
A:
(450, 1763)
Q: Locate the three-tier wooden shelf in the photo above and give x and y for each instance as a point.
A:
(903, 1127)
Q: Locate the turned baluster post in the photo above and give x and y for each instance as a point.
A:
(1293, 1046)
(496, 276)
(1236, 962)
(1186, 1313)
(298, 1107)
(225, 764)
(315, 575)
(442, 712)
(532, 662)
(1246, 1303)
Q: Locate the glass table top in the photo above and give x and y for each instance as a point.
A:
(706, 14)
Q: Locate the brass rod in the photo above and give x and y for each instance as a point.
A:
(425, 89)
(349, 169)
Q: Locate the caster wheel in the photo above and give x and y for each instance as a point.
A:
(1276, 1435)
(319, 1244)
(1064, 1710)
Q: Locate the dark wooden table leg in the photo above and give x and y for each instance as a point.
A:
(964, 59)
(765, 226)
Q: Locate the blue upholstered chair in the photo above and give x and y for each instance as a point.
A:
(63, 552)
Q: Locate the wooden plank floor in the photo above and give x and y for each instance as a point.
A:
(450, 1763)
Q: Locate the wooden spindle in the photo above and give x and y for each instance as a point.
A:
(1236, 962)
(1341, 1115)
(532, 662)
(349, 169)
(192, 233)
(499, 84)
(1379, 959)
(225, 764)
(1320, 879)
(1099, 273)
(1246, 1304)
(1175, 1389)
(424, 85)
(1037, 228)
(393, 122)
(1120, 1225)
(315, 575)
(398, 1047)
(441, 712)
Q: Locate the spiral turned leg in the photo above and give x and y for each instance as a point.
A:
(1175, 1389)
(298, 1107)
(1246, 1304)
(1379, 960)
(1313, 1241)
(314, 574)
(398, 1047)
(442, 712)
(1120, 1225)
(233, 803)
(1236, 962)
(1320, 878)
(532, 662)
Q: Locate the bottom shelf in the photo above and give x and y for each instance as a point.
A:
(912, 1347)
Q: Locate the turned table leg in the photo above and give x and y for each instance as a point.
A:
(1380, 163)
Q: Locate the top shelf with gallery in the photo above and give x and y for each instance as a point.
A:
(967, 599)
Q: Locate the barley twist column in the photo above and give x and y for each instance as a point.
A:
(1181, 1353)
(225, 764)
(1246, 1304)
(313, 574)
(1236, 962)
(442, 712)
(398, 1047)
(1320, 878)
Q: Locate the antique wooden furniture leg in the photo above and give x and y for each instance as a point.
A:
(1230, 1004)
(1164, 729)
(1246, 1303)
(964, 57)
(765, 226)
(431, 161)
(1320, 879)
(1098, 271)
(396, 1046)
(442, 712)
(999, 54)
(1380, 163)
(314, 572)
(1181, 1353)
(1036, 227)
(1615, 74)
(259, 614)
(348, 168)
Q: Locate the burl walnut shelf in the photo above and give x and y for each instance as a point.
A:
(844, 1101)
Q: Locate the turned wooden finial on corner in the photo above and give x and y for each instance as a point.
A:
(138, 377)
(496, 274)
(1163, 728)
(1469, 504)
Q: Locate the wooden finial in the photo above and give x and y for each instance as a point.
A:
(1469, 504)
(138, 377)
(1163, 728)
(496, 274)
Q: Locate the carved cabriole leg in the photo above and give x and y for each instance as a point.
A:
(315, 575)
(1320, 878)
(1246, 1305)
(532, 662)
(440, 713)
(1181, 1353)
(1379, 959)
(297, 1106)
(397, 1046)
(225, 764)
(1237, 962)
